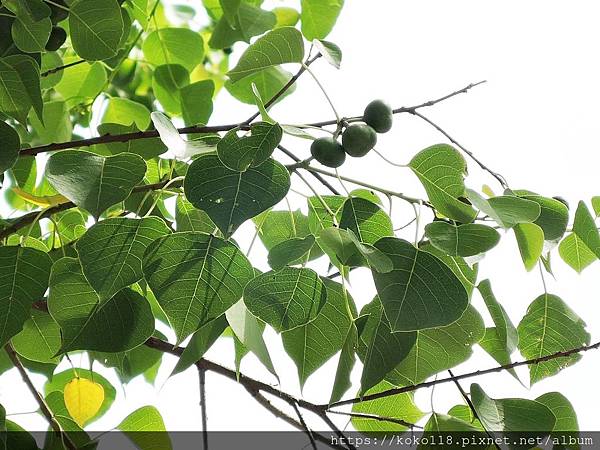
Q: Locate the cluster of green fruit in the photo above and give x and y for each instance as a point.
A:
(58, 35)
(358, 138)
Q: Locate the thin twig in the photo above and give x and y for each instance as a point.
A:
(59, 68)
(265, 403)
(317, 176)
(39, 399)
(306, 429)
(202, 383)
(374, 417)
(399, 195)
(476, 373)
(496, 175)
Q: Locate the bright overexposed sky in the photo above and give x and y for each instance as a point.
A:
(535, 121)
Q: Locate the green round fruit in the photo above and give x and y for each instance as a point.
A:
(358, 138)
(378, 114)
(328, 152)
(57, 38)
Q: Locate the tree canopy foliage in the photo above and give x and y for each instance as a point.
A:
(123, 204)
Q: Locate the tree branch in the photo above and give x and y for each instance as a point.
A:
(202, 383)
(303, 423)
(29, 218)
(374, 417)
(109, 138)
(476, 373)
(59, 68)
(39, 399)
(496, 175)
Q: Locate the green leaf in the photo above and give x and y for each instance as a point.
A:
(94, 182)
(464, 240)
(121, 323)
(167, 82)
(441, 169)
(566, 418)
(511, 414)
(286, 16)
(31, 36)
(24, 276)
(230, 197)
(466, 273)
(196, 102)
(111, 252)
(596, 205)
(174, 46)
(285, 253)
(146, 429)
(40, 338)
(553, 218)
(331, 52)
(319, 216)
(346, 361)
(530, 238)
(96, 28)
(507, 333)
(506, 210)
(268, 82)
(550, 326)
(56, 126)
(199, 343)
(340, 248)
(248, 331)
(230, 10)
(367, 220)
(280, 46)
(444, 423)
(439, 349)
(585, 228)
(9, 149)
(286, 299)
(82, 82)
(20, 87)
(60, 380)
(189, 218)
(240, 153)
(311, 345)
(250, 21)
(378, 347)
(196, 277)
(319, 16)
(575, 253)
(399, 407)
(421, 292)
(124, 111)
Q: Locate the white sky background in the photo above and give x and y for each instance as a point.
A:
(535, 121)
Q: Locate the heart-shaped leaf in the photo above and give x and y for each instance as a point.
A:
(196, 277)
(463, 240)
(230, 197)
(94, 182)
(83, 399)
(121, 323)
(239, 153)
(421, 291)
(286, 299)
(111, 252)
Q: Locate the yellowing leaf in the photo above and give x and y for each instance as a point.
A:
(83, 399)
(43, 201)
(487, 191)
